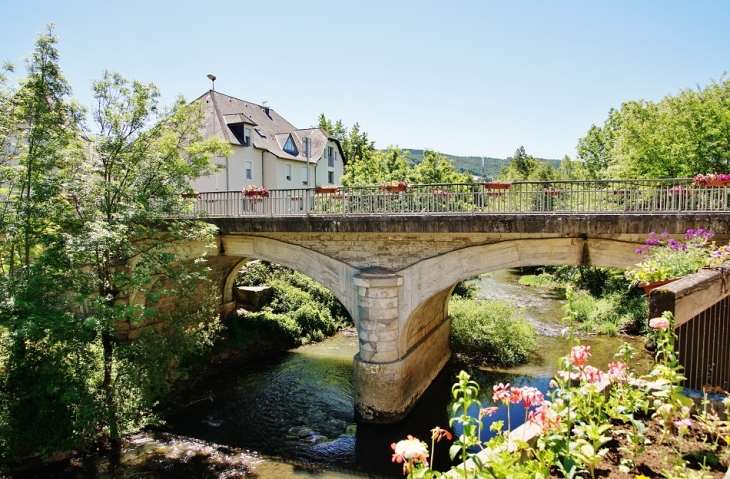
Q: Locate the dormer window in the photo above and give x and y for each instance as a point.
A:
(290, 147)
(238, 131)
(247, 135)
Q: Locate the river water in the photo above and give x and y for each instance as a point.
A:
(292, 415)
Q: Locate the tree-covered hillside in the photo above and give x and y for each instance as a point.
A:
(473, 164)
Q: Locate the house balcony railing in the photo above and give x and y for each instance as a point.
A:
(528, 197)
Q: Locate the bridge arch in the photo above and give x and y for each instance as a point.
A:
(331, 273)
(424, 325)
(428, 283)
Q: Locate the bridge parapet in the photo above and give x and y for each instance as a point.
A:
(605, 196)
(700, 304)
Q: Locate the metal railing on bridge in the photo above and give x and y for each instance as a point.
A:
(594, 197)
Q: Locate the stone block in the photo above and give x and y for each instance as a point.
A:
(253, 298)
(378, 292)
(379, 303)
(380, 315)
(379, 335)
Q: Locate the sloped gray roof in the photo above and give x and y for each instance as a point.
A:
(221, 110)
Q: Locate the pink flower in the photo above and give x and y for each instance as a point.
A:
(579, 355)
(515, 395)
(592, 375)
(487, 411)
(684, 423)
(659, 323)
(617, 371)
(545, 417)
(501, 393)
(531, 396)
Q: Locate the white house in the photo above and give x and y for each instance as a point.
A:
(267, 150)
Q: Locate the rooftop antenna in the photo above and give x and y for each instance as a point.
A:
(211, 77)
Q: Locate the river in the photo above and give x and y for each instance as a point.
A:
(292, 415)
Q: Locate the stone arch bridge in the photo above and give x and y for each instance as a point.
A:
(395, 273)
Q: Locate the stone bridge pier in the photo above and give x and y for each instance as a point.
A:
(389, 378)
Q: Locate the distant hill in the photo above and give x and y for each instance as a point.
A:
(473, 164)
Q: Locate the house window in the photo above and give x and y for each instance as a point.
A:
(288, 172)
(289, 146)
(247, 136)
(330, 157)
(249, 170)
(331, 177)
(304, 175)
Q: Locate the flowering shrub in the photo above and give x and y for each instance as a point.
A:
(704, 180)
(586, 411)
(394, 184)
(252, 191)
(664, 258)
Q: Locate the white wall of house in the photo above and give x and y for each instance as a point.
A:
(325, 166)
(274, 173)
(237, 175)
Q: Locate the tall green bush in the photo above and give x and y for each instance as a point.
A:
(495, 331)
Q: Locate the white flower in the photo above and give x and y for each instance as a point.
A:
(411, 448)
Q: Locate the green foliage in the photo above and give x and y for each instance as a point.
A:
(604, 301)
(256, 273)
(610, 314)
(312, 307)
(356, 146)
(466, 289)
(315, 323)
(367, 166)
(473, 164)
(543, 280)
(82, 238)
(495, 330)
(679, 136)
(524, 167)
(275, 327)
(436, 168)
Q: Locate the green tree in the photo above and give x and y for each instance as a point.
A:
(524, 167)
(87, 228)
(37, 130)
(367, 166)
(679, 136)
(121, 184)
(436, 168)
(355, 144)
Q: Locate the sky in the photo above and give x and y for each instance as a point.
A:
(470, 78)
